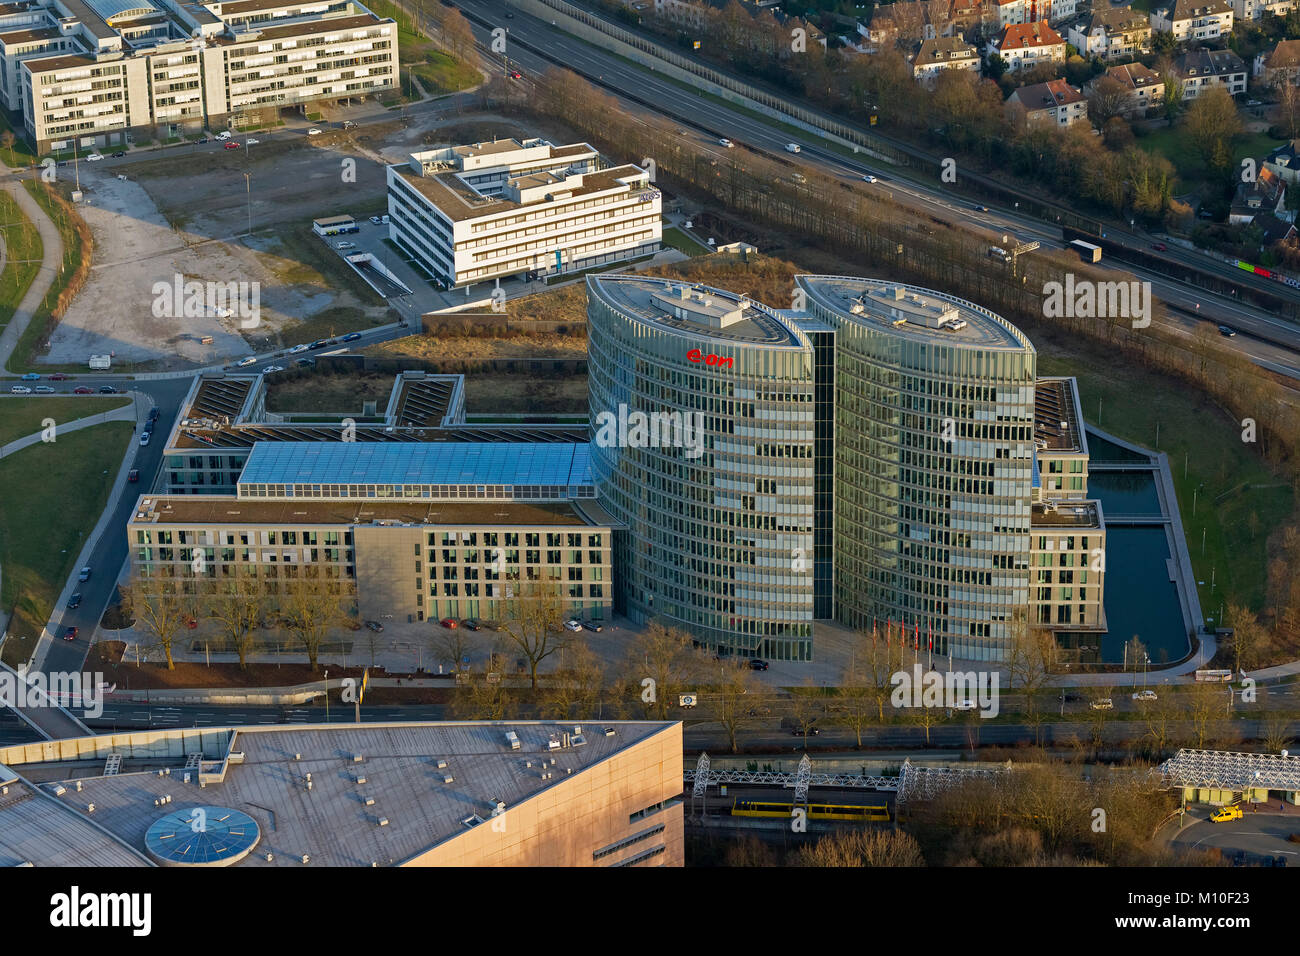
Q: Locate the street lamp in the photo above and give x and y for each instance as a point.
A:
(327, 695)
(248, 188)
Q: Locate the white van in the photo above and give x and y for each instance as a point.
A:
(792, 147)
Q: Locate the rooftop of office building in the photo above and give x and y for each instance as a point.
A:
(696, 311)
(913, 312)
(1058, 425)
(226, 510)
(379, 794)
(1073, 513)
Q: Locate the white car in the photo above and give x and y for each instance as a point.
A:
(1145, 695)
(792, 147)
(726, 142)
(376, 220)
(224, 134)
(20, 390)
(346, 245)
(251, 142)
(1102, 703)
(297, 348)
(573, 625)
(964, 704)
(242, 363)
(870, 179)
(272, 368)
(313, 131)
(44, 390)
(94, 157)
(144, 439)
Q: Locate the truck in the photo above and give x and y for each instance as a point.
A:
(997, 252)
(1086, 250)
(101, 361)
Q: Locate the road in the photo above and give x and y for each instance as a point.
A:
(1267, 340)
(129, 715)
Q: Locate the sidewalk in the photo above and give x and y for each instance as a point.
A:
(126, 413)
(52, 255)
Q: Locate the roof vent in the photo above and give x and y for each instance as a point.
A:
(448, 778)
(442, 765)
(383, 821)
(357, 758)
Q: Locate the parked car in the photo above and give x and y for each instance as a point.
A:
(348, 124)
(305, 362)
(133, 475)
(1145, 695)
(58, 377)
(192, 623)
(573, 625)
(94, 157)
(224, 134)
(119, 154)
(245, 362)
(201, 140)
(1226, 814)
(470, 624)
(376, 220)
(153, 415)
(20, 390)
(384, 219)
(44, 389)
(251, 142)
(298, 348)
(593, 626)
(30, 377)
(107, 390)
(231, 145)
(83, 390)
(74, 602)
(313, 131)
(144, 438)
(320, 344)
(84, 575)
(272, 368)
(70, 633)
(1102, 703)
(375, 626)
(351, 336)
(346, 245)
(449, 623)
(727, 143)
(1227, 330)
(812, 732)
(758, 664)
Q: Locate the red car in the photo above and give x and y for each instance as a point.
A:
(69, 633)
(1159, 246)
(58, 377)
(450, 623)
(133, 474)
(516, 75)
(83, 390)
(231, 145)
(191, 623)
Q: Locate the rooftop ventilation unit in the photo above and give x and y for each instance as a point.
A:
(357, 758)
(442, 765)
(448, 778)
(360, 779)
(512, 740)
(383, 821)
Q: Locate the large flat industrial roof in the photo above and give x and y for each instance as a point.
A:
(437, 463)
(39, 829)
(457, 200)
(646, 298)
(336, 821)
(913, 312)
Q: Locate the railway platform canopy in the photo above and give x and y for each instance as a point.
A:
(1217, 776)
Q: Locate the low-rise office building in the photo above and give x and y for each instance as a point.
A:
(520, 208)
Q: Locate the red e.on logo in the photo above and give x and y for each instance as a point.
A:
(695, 355)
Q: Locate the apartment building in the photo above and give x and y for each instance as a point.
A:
(1193, 20)
(1112, 33)
(943, 53)
(1026, 45)
(1203, 70)
(520, 208)
(1258, 9)
(98, 72)
(1011, 12)
(1144, 90)
(1054, 103)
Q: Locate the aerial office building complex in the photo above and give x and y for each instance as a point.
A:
(519, 208)
(96, 73)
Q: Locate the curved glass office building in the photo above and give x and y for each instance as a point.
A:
(703, 440)
(934, 450)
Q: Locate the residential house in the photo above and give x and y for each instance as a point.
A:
(1266, 194)
(1112, 33)
(1143, 87)
(1256, 9)
(1025, 45)
(1011, 12)
(943, 53)
(1280, 64)
(1054, 103)
(1193, 20)
(1275, 229)
(1202, 70)
(1284, 162)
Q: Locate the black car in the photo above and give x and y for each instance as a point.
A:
(374, 626)
(757, 664)
(202, 140)
(74, 601)
(1227, 331)
(153, 414)
(470, 624)
(305, 362)
(107, 390)
(119, 154)
(812, 732)
(351, 336)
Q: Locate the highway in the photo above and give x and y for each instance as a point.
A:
(533, 46)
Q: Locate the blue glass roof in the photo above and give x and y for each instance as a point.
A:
(201, 836)
(432, 463)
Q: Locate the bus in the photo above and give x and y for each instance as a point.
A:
(1086, 250)
(1214, 677)
(816, 811)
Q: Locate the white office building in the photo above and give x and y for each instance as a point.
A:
(520, 208)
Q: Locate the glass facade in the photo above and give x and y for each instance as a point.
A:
(719, 537)
(934, 430)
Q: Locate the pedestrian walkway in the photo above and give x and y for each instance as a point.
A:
(52, 256)
(126, 413)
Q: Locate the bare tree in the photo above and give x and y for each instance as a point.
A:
(805, 709)
(736, 692)
(1212, 123)
(7, 141)
(455, 644)
(311, 602)
(1202, 703)
(1106, 100)
(533, 623)
(665, 657)
(237, 604)
(858, 848)
(578, 684)
(160, 606)
(457, 36)
(1275, 732)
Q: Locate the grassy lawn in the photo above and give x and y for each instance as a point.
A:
(42, 526)
(1178, 146)
(1240, 500)
(22, 153)
(441, 73)
(22, 257)
(20, 417)
(678, 240)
